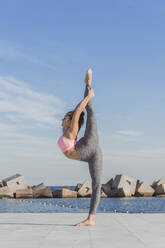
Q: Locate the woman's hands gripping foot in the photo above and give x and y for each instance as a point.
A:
(90, 92)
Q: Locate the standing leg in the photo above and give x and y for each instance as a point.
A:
(95, 169)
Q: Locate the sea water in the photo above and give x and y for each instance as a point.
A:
(81, 205)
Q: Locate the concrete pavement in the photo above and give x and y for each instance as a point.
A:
(57, 230)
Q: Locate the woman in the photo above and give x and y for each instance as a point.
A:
(87, 148)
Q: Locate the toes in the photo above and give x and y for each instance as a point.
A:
(80, 224)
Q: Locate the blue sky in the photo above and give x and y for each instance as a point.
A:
(45, 49)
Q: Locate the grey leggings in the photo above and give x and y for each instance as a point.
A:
(89, 151)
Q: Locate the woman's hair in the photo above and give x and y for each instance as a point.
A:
(81, 118)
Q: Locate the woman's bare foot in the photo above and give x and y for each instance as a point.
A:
(88, 77)
(90, 221)
(86, 222)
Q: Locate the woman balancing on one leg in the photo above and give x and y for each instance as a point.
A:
(87, 148)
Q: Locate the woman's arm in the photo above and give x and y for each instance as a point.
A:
(73, 130)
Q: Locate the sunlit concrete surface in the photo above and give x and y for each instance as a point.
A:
(58, 230)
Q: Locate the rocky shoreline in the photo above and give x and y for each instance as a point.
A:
(119, 186)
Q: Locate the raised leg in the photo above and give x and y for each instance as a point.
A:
(86, 146)
(91, 124)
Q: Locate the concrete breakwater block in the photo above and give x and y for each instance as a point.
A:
(41, 191)
(110, 182)
(64, 193)
(160, 189)
(85, 190)
(103, 195)
(24, 193)
(15, 182)
(10, 185)
(107, 188)
(125, 191)
(38, 187)
(155, 184)
(6, 192)
(78, 186)
(123, 186)
(144, 189)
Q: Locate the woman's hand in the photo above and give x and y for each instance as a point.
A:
(90, 92)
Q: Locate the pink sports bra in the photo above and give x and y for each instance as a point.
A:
(66, 143)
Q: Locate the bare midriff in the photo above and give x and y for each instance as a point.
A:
(72, 154)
